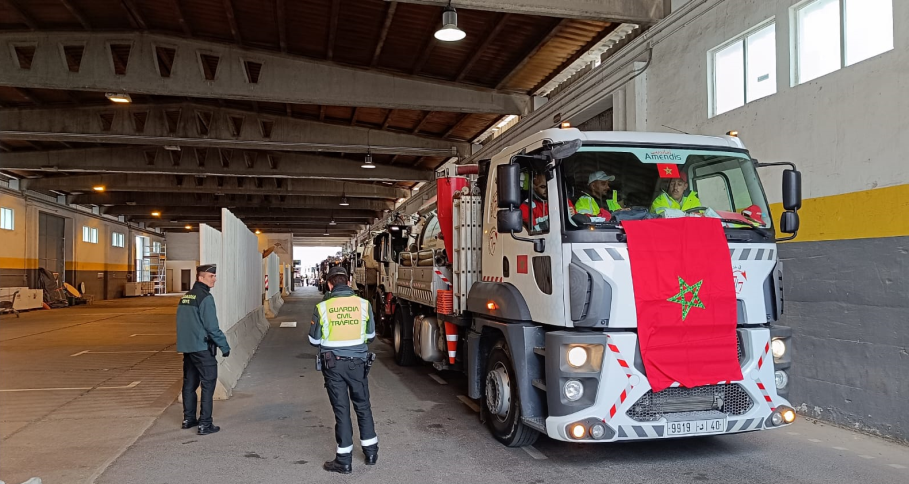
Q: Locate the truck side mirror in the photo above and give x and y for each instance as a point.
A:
(508, 221)
(508, 183)
(792, 190)
(789, 222)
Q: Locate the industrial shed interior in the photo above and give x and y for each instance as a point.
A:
(276, 138)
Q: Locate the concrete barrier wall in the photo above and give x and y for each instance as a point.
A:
(273, 301)
(237, 294)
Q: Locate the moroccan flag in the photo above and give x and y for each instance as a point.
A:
(668, 170)
(685, 300)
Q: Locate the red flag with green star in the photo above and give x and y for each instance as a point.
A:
(684, 296)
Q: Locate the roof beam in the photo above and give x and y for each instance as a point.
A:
(178, 11)
(281, 20)
(232, 21)
(315, 82)
(389, 16)
(179, 124)
(26, 18)
(287, 204)
(645, 12)
(532, 53)
(333, 28)
(490, 36)
(577, 55)
(132, 11)
(77, 13)
(456, 126)
(135, 183)
(422, 122)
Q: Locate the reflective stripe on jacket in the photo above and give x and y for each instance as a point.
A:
(589, 206)
(664, 201)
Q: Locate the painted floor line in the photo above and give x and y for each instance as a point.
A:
(840, 448)
(438, 379)
(469, 403)
(866, 456)
(131, 385)
(119, 352)
(813, 440)
(896, 466)
(289, 324)
(533, 452)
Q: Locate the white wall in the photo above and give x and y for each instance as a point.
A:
(843, 130)
(176, 266)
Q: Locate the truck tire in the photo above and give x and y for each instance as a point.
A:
(501, 404)
(403, 346)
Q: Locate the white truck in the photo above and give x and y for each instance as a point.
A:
(541, 317)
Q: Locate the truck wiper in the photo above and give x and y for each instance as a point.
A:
(763, 232)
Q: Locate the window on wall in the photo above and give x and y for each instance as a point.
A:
(89, 235)
(831, 34)
(7, 221)
(118, 240)
(744, 69)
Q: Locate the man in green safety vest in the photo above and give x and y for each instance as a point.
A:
(592, 202)
(342, 325)
(675, 197)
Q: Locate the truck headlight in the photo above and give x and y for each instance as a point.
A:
(573, 390)
(778, 348)
(577, 356)
(781, 378)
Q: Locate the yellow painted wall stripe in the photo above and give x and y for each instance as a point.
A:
(869, 214)
(15, 263)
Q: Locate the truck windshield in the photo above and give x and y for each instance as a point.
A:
(604, 185)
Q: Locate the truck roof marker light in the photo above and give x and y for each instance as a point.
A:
(492, 306)
(565, 125)
(732, 133)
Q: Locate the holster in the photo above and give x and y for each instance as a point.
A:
(212, 347)
(328, 359)
(370, 359)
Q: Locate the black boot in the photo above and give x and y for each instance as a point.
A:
(189, 423)
(337, 466)
(372, 454)
(208, 429)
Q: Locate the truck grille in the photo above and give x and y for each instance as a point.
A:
(730, 399)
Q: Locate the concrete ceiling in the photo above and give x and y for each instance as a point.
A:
(269, 107)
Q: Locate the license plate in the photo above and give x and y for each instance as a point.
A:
(694, 427)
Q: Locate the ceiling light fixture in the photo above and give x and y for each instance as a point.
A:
(450, 31)
(326, 231)
(368, 162)
(98, 188)
(156, 213)
(119, 97)
(344, 202)
(332, 222)
(188, 227)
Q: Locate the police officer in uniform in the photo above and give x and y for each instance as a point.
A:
(342, 325)
(198, 338)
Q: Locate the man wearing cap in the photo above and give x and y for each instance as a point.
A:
(198, 336)
(675, 197)
(589, 203)
(342, 325)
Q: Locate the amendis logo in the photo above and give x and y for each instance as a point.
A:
(662, 156)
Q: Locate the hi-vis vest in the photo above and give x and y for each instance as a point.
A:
(343, 321)
(589, 206)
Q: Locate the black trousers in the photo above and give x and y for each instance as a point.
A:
(347, 383)
(199, 368)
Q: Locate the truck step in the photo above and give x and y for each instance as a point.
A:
(536, 423)
(539, 384)
(540, 350)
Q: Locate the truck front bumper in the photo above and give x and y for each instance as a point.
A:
(617, 402)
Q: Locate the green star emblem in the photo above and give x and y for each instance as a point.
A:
(687, 304)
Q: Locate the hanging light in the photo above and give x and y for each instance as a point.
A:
(326, 231)
(368, 162)
(450, 31)
(332, 222)
(344, 202)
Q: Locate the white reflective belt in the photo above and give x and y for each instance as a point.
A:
(370, 335)
(345, 450)
(342, 344)
(315, 341)
(372, 441)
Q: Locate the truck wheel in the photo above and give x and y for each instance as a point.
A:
(502, 406)
(404, 355)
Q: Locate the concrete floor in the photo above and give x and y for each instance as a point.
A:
(278, 428)
(78, 385)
